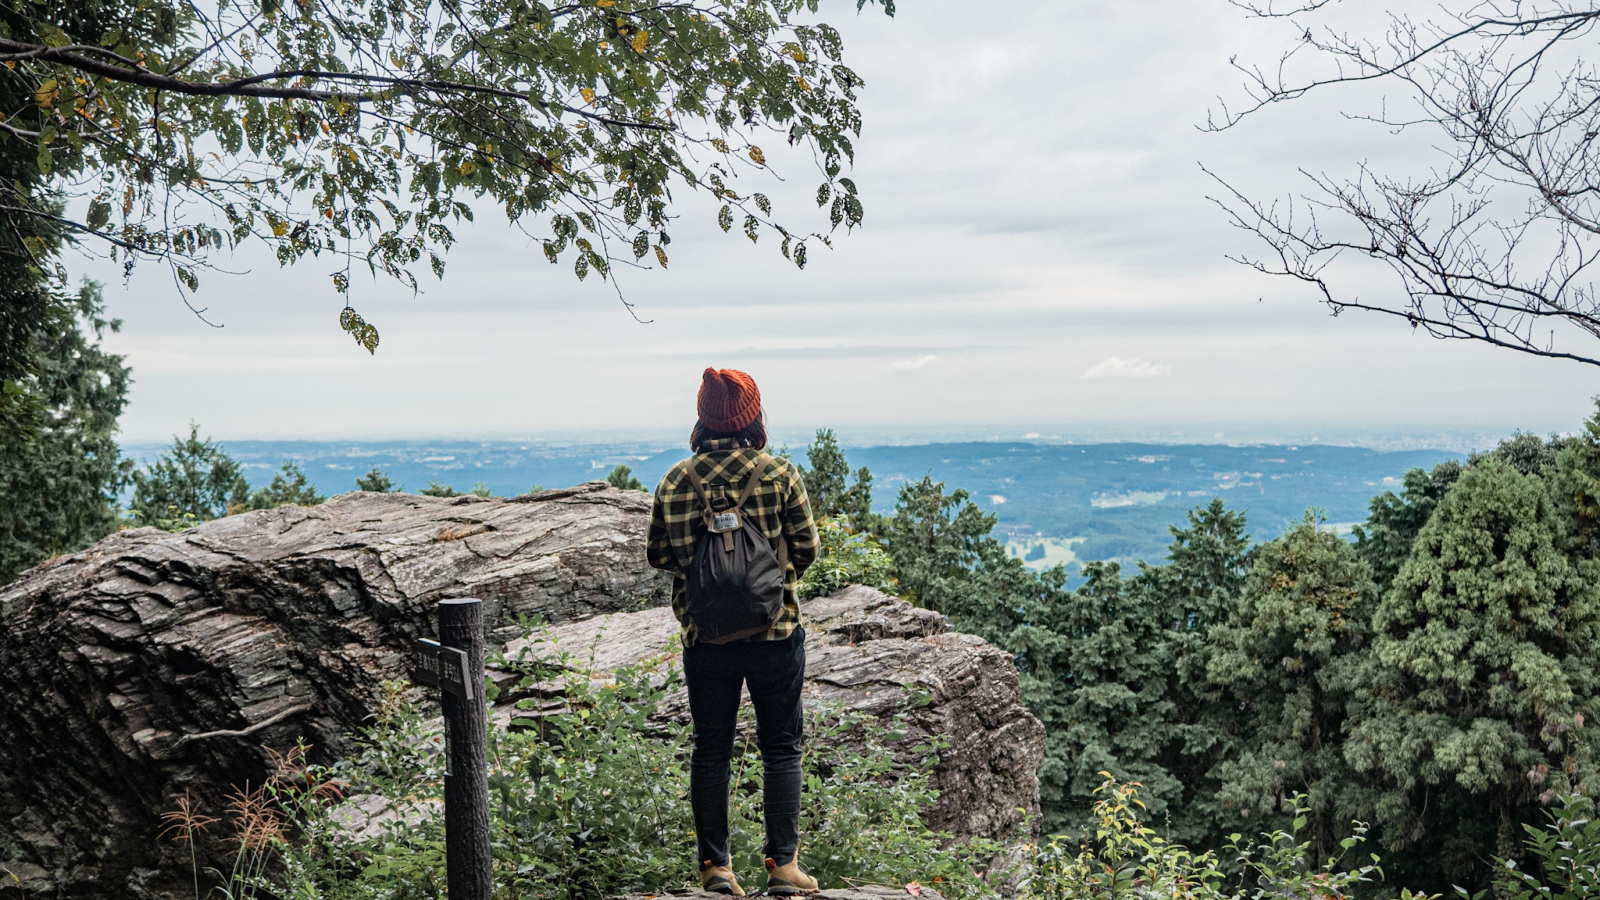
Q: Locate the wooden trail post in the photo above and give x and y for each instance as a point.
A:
(455, 663)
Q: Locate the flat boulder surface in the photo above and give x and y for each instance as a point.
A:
(869, 652)
(154, 665)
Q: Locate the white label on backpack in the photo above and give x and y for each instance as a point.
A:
(725, 522)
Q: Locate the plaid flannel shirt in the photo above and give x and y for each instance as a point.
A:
(778, 507)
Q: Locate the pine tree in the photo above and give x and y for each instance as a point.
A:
(195, 478)
(830, 488)
(1286, 658)
(623, 479)
(289, 487)
(376, 481)
(60, 475)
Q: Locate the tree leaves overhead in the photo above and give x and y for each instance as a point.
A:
(357, 327)
(361, 129)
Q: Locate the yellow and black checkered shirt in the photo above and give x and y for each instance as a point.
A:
(778, 507)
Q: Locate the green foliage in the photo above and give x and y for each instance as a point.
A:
(623, 479)
(59, 477)
(829, 486)
(576, 123)
(1483, 663)
(481, 489)
(1384, 540)
(589, 798)
(435, 489)
(535, 488)
(846, 557)
(942, 548)
(1287, 656)
(288, 487)
(195, 477)
(376, 481)
(1566, 851)
(196, 481)
(1119, 856)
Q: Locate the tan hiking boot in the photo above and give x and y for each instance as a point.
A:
(719, 880)
(787, 880)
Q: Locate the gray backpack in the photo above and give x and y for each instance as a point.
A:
(735, 583)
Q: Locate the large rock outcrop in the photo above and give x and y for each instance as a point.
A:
(155, 665)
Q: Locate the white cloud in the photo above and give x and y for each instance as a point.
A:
(1133, 367)
(912, 365)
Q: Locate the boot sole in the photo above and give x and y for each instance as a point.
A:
(787, 890)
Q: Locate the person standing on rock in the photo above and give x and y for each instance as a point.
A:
(733, 526)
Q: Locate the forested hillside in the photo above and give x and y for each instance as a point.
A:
(1435, 675)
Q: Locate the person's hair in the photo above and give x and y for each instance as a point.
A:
(753, 435)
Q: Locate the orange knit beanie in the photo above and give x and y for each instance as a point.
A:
(729, 400)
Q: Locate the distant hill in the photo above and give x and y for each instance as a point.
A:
(1089, 501)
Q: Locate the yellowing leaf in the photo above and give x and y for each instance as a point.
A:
(48, 92)
(661, 256)
(468, 167)
(757, 156)
(606, 4)
(588, 95)
(639, 41)
(720, 144)
(279, 227)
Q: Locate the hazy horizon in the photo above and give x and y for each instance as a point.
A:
(1460, 439)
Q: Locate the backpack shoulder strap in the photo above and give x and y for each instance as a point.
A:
(697, 484)
(762, 463)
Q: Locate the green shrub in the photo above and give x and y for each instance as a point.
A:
(846, 557)
(1565, 854)
(172, 520)
(589, 799)
(1120, 856)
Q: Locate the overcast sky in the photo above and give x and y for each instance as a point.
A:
(1038, 257)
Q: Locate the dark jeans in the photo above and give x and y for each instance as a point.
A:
(775, 672)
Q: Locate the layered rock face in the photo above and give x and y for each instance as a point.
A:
(155, 665)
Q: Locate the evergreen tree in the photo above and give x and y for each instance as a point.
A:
(1475, 701)
(829, 486)
(1286, 658)
(289, 487)
(622, 478)
(60, 475)
(435, 489)
(195, 477)
(1384, 540)
(942, 549)
(1117, 671)
(376, 481)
